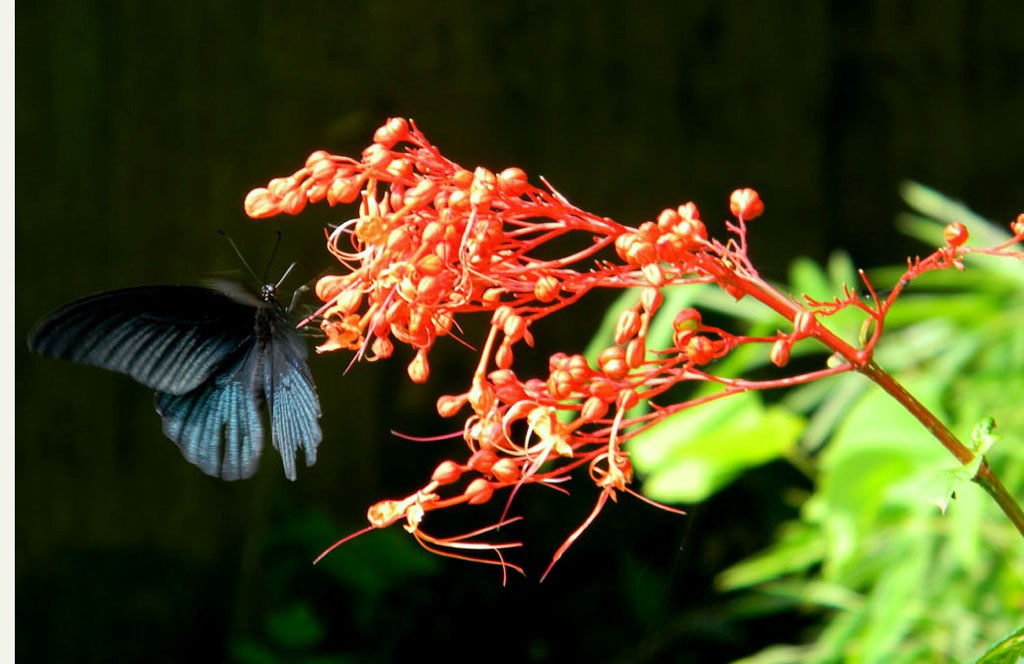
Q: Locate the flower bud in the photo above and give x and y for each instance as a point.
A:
(700, 350)
(955, 234)
(627, 326)
(479, 491)
(780, 352)
(506, 471)
(1017, 226)
(546, 288)
(612, 361)
(482, 461)
(447, 472)
(261, 203)
(627, 399)
(687, 320)
(512, 181)
(594, 408)
(745, 204)
(419, 368)
(448, 405)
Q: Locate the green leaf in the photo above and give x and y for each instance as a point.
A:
(799, 548)
(695, 452)
(1008, 651)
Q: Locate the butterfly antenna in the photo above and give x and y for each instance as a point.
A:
(273, 254)
(239, 254)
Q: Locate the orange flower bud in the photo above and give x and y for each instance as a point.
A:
(955, 234)
(654, 274)
(623, 243)
(446, 472)
(627, 399)
(641, 253)
(612, 361)
(648, 232)
(422, 194)
(317, 156)
(384, 513)
(260, 203)
(343, 190)
(627, 326)
(400, 169)
(667, 220)
(512, 181)
(594, 408)
(293, 202)
(514, 327)
(391, 132)
(327, 288)
(745, 204)
(636, 351)
(463, 179)
(700, 350)
(687, 320)
(377, 156)
(419, 368)
(504, 356)
(578, 369)
(560, 384)
(482, 461)
(448, 405)
(479, 491)
(281, 186)
(506, 471)
(481, 397)
(689, 211)
(671, 248)
(1017, 226)
(546, 288)
(692, 232)
(780, 352)
(382, 348)
(603, 390)
(651, 299)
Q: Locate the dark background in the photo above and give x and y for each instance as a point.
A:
(140, 128)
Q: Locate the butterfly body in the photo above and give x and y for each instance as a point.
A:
(212, 355)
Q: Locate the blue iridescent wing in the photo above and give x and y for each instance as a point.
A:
(170, 338)
(217, 425)
(291, 397)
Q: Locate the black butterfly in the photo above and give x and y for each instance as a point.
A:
(212, 356)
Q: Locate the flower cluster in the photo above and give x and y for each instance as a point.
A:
(433, 241)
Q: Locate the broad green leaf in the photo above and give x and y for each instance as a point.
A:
(696, 452)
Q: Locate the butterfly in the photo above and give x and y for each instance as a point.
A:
(212, 355)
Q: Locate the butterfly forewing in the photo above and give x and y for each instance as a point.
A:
(170, 338)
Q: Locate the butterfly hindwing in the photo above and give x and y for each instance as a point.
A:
(170, 338)
(291, 398)
(217, 425)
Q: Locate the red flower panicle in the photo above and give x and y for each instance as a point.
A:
(433, 241)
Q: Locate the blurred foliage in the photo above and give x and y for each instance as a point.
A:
(898, 555)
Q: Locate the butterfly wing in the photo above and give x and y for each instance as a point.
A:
(170, 338)
(211, 358)
(291, 397)
(217, 425)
